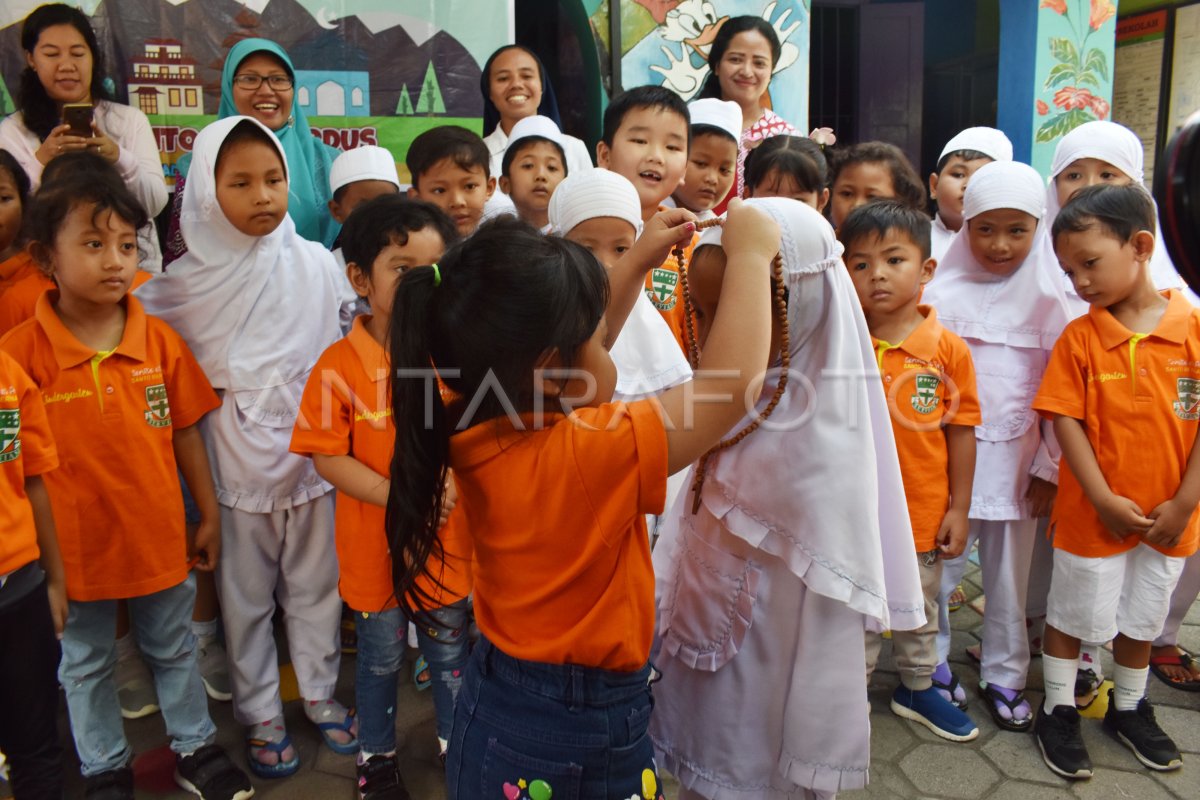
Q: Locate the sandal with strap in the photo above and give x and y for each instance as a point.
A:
(280, 769)
(347, 724)
(951, 689)
(994, 698)
(1182, 659)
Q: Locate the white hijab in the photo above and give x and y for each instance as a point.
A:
(818, 485)
(1121, 147)
(1028, 308)
(257, 311)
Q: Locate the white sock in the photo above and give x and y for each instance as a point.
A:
(1130, 686)
(205, 631)
(127, 647)
(443, 744)
(1058, 675)
(1089, 658)
(364, 756)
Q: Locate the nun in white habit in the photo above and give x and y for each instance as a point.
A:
(801, 542)
(257, 311)
(1010, 323)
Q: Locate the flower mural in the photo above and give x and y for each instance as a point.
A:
(1077, 67)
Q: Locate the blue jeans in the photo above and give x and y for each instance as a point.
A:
(162, 625)
(580, 731)
(382, 638)
(443, 640)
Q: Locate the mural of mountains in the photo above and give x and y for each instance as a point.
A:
(208, 28)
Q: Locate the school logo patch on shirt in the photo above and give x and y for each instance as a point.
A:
(10, 434)
(158, 412)
(662, 288)
(925, 399)
(1188, 405)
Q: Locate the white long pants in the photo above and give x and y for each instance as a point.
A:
(286, 557)
(1181, 602)
(1005, 552)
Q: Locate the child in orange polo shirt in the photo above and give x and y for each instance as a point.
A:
(123, 395)
(345, 424)
(33, 593)
(930, 382)
(554, 481)
(1123, 390)
(645, 138)
(20, 280)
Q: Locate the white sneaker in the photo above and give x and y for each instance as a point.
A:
(214, 669)
(135, 688)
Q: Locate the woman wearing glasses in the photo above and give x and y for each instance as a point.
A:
(64, 66)
(259, 81)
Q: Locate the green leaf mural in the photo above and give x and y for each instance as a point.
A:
(1097, 62)
(1061, 124)
(1059, 74)
(1063, 50)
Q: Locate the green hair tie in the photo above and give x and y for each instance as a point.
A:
(437, 275)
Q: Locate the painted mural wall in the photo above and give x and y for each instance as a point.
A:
(367, 71)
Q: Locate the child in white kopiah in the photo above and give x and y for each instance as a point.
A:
(357, 176)
(962, 156)
(712, 156)
(258, 304)
(534, 164)
(770, 578)
(994, 288)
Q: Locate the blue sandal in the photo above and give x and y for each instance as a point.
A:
(280, 769)
(347, 724)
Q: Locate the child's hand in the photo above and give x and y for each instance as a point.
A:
(449, 500)
(1041, 494)
(749, 232)
(667, 228)
(57, 591)
(207, 548)
(952, 535)
(1170, 519)
(1121, 517)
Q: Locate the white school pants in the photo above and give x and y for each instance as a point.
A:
(287, 557)
(1005, 552)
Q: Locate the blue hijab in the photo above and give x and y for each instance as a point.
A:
(308, 158)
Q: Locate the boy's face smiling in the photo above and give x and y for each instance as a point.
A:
(1103, 269)
(1000, 239)
(888, 272)
(650, 148)
(252, 187)
(461, 193)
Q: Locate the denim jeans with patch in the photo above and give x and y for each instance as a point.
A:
(382, 639)
(444, 643)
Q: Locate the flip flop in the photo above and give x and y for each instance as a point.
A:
(341, 748)
(950, 688)
(281, 769)
(1182, 659)
(993, 698)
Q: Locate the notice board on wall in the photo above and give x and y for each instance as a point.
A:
(1137, 78)
(1185, 67)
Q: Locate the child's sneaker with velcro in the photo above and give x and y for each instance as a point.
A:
(929, 708)
(379, 779)
(209, 773)
(1139, 731)
(1061, 743)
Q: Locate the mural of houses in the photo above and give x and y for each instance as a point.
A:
(164, 80)
(327, 93)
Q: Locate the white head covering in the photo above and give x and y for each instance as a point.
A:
(723, 114)
(784, 489)
(256, 311)
(535, 126)
(1121, 147)
(989, 141)
(366, 163)
(1028, 308)
(593, 193)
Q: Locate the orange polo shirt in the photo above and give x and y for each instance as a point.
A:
(26, 449)
(117, 504)
(665, 292)
(1138, 396)
(562, 558)
(22, 283)
(346, 410)
(929, 379)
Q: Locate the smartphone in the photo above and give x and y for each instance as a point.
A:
(79, 117)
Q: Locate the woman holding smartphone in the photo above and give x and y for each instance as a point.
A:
(64, 75)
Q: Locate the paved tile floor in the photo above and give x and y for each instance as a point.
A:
(907, 761)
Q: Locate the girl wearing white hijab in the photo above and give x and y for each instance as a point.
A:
(257, 311)
(799, 541)
(998, 289)
(965, 153)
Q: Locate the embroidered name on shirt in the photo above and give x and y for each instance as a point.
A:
(143, 374)
(66, 397)
(1105, 377)
(372, 416)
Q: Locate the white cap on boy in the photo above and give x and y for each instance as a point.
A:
(988, 141)
(536, 125)
(366, 163)
(723, 114)
(1005, 184)
(593, 193)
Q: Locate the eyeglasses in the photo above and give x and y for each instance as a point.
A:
(250, 81)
